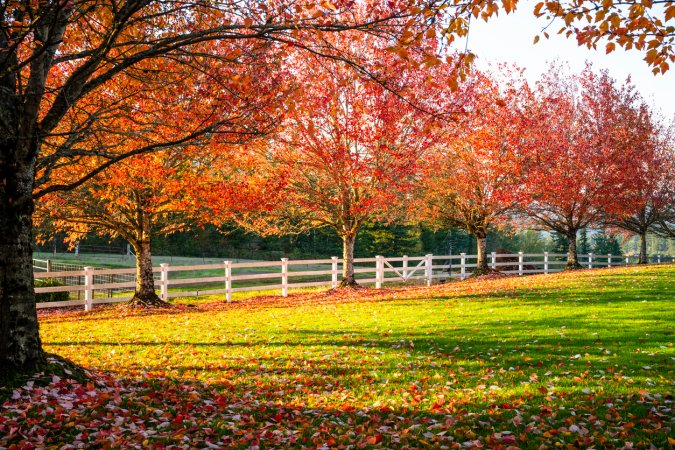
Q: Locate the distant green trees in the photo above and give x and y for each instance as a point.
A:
(376, 239)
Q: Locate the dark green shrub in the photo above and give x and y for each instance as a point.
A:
(50, 296)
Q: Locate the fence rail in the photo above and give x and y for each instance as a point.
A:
(89, 283)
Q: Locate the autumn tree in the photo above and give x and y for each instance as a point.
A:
(646, 204)
(583, 154)
(349, 148)
(141, 197)
(58, 59)
(472, 177)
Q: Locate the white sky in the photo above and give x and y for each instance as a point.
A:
(509, 38)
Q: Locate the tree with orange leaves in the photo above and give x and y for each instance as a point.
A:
(141, 197)
(472, 179)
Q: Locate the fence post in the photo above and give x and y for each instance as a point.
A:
(428, 269)
(88, 288)
(49, 265)
(405, 268)
(228, 281)
(520, 263)
(494, 260)
(546, 263)
(379, 271)
(658, 259)
(164, 282)
(334, 272)
(462, 265)
(284, 277)
(590, 260)
(609, 260)
(627, 260)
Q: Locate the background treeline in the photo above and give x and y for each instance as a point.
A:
(388, 240)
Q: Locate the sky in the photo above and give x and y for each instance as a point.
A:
(509, 38)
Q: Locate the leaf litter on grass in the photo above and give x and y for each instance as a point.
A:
(479, 364)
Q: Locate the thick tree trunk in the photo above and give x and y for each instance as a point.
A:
(348, 278)
(572, 257)
(20, 347)
(481, 262)
(144, 294)
(643, 248)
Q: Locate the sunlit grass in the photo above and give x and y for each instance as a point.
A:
(590, 343)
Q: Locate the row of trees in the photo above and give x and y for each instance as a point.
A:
(571, 152)
(87, 84)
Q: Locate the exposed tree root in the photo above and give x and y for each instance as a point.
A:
(487, 273)
(346, 287)
(349, 282)
(576, 266)
(147, 301)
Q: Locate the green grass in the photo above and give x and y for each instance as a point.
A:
(574, 359)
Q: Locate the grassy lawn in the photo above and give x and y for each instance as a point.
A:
(571, 360)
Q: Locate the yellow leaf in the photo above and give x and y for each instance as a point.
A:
(536, 39)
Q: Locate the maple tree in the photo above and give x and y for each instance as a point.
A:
(141, 197)
(348, 148)
(472, 178)
(58, 59)
(647, 201)
(583, 155)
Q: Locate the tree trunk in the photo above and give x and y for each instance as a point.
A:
(572, 258)
(643, 248)
(348, 278)
(144, 294)
(20, 346)
(481, 262)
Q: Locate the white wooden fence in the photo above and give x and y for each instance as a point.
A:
(286, 274)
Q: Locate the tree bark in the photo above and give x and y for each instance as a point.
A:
(572, 257)
(145, 295)
(643, 248)
(20, 346)
(481, 262)
(348, 278)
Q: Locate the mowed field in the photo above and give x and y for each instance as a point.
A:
(572, 360)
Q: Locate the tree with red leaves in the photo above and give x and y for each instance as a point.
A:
(648, 201)
(584, 153)
(349, 147)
